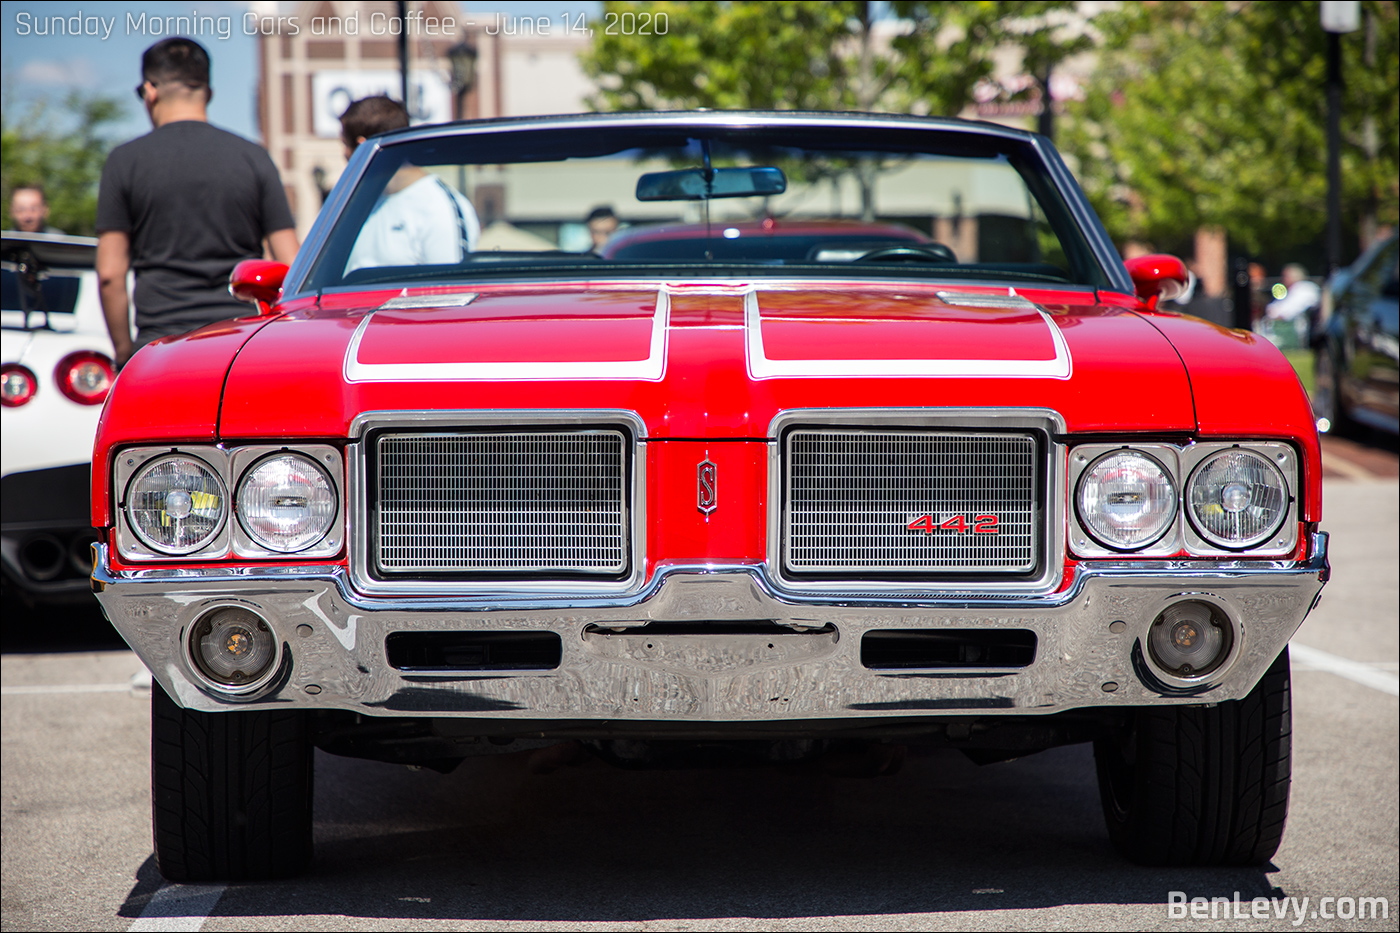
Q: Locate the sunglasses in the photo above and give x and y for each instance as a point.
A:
(141, 88)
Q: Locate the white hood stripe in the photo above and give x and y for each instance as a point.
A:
(650, 369)
(653, 367)
(761, 367)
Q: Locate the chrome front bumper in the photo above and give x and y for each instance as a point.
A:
(333, 641)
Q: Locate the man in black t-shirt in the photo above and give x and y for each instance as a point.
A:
(182, 206)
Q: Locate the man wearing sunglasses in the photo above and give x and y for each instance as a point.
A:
(181, 206)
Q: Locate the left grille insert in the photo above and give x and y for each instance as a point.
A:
(534, 502)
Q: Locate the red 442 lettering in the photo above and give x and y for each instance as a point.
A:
(980, 524)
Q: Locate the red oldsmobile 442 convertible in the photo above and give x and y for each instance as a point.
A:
(858, 434)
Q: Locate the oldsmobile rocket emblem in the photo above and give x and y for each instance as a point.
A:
(706, 486)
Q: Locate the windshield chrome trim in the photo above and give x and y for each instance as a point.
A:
(1100, 246)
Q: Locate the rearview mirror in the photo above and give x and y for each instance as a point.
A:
(691, 184)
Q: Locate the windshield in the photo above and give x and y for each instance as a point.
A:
(653, 201)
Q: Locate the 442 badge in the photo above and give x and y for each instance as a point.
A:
(957, 524)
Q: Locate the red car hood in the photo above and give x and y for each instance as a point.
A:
(707, 361)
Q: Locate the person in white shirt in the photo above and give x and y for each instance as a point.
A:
(1302, 295)
(419, 219)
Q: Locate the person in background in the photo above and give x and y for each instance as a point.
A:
(182, 206)
(1300, 295)
(419, 219)
(1288, 317)
(29, 210)
(602, 223)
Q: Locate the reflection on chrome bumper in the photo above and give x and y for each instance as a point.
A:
(335, 640)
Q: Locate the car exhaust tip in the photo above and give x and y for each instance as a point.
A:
(42, 557)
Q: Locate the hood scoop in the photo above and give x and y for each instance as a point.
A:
(975, 300)
(429, 300)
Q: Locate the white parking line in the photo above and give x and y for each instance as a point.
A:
(37, 689)
(178, 908)
(139, 685)
(1368, 675)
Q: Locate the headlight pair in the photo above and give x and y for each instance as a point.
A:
(1235, 497)
(177, 503)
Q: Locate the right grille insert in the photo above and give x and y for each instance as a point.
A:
(853, 495)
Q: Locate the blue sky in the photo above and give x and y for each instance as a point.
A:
(38, 66)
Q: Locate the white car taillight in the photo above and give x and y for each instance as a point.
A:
(17, 385)
(85, 377)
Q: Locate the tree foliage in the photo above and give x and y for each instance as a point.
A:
(1215, 114)
(795, 56)
(62, 148)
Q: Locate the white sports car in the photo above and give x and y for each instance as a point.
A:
(56, 373)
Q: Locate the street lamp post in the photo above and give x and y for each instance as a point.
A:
(403, 53)
(462, 57)
(1338, 16)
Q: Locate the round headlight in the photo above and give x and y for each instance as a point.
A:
(175, 504)
(286, 502)
(1126, 500)
(1236, 498)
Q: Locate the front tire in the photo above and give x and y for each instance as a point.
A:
(1202, 785)
(231, 792)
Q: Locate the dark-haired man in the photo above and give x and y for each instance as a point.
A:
(419, 219)
(182, 206)
(602, 223)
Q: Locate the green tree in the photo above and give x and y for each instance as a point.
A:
(1214, 114)
(794, 56)
(1046, 32)
(63, 148)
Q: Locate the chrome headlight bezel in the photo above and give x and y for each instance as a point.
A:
(1282, 538)
(328, 460)
(144, 468)
(1182, 461)
(1167, 518)
(228, 465)
(1082, 541)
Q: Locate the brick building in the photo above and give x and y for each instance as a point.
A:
(315, 57)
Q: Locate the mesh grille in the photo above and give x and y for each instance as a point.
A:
(527, 501)
(852, 496)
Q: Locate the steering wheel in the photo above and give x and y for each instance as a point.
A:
(926, 252)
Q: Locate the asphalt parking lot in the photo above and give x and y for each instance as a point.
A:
(943, 844)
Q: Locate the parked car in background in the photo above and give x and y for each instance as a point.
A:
(769, 239)
(780, 473)
(57, 370)
(1357, 345)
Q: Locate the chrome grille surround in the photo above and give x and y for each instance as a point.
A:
(852, 493)
(514, 502)
(568, 521)
(862, 543)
